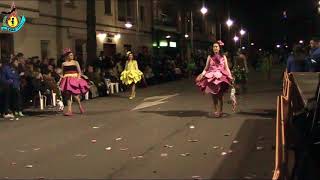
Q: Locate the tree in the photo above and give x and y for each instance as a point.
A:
(91, 31)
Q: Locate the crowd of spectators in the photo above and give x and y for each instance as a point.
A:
(23, 79)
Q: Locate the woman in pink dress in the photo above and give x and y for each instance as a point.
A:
(72, 84)
(215, 78)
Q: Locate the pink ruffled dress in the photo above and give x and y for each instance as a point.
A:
(216, 78)
(71, 83)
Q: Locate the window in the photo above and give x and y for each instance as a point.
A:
(121, 10)
(69, 3)
(107, 7)
(44, 49)
(125, 12)
(142, 14)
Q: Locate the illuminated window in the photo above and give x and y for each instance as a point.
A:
(163, 43)
(173, 44)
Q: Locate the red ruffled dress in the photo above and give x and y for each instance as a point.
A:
(216, 78)
(70, 81)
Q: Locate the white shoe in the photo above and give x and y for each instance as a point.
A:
(7, 116)
(20, 114)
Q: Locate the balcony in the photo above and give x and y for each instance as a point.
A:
(165, 24)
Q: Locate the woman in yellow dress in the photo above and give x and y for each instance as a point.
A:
(131, 74)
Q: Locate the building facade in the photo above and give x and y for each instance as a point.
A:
(56, 24)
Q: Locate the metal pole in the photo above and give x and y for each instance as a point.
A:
(191, 31)
(220, 31)
(138, 24)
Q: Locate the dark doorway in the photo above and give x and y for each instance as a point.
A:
(6, 45)
(109, 49)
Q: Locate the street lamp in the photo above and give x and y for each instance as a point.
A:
(242, 32)
(204, 10)
(229, 23)
(252, 44)
(301, 41)
(186, 35)
(236, 38)
(128, 25)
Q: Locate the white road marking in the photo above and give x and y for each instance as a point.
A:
(156, 101)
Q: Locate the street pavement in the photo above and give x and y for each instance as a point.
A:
(166, 132)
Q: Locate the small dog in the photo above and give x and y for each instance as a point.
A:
(60, 105)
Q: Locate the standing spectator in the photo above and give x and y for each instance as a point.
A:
(11, 76)
(4, 97)
(314, 63)
(297, 60)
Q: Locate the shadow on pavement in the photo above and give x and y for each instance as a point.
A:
(184, 114)
(252, 157)
(266, 113)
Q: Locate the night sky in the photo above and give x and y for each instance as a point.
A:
(265, 22)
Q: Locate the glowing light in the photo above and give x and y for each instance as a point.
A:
(252, 44)
(168, 37)
(242, 32)
(173, 44)
(278, 46)
(128, 25)
(186, 35)
(163, 44)
(117, 36)
(229, 22)
(301, 41)
(236, 38)
(102, 36)
(204, 10)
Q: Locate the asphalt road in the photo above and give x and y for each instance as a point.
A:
(165, 133)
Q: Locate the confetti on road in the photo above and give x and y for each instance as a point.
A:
(123, 149)
(21, 151)
(227, 134)
(29, 166)
(81, 155)
(164, 154)
(260, 148)
(13, 163)
(119, 139)
(191, 126)
(36, 149)
(185, 154)
(215, 147)
(168, 146)
(17, 119)
(235, 142)
(139, 157)
(224, 153)
(196, 177)
(108, 149)
(93, 141)
(95, 127)
(193, 140)
(230, 151)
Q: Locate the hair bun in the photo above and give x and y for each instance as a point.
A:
(220, 43)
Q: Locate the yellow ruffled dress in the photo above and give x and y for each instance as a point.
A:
(131, 74)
